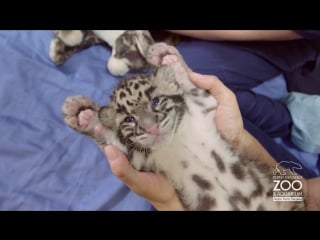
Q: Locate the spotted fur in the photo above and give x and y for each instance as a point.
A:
(165, 124)
(128, 46)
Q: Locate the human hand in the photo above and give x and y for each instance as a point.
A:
(228, 118)
(154, 187)
(229, 123)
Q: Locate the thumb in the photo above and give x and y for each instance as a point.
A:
(152, 186)
(212, 84)
(121, 168)
(119, 164)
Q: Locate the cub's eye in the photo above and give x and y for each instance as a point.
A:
(129, 119)
(155, 102)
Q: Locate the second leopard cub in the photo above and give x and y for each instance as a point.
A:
(165, 124)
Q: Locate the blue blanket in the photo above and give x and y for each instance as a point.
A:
(45, 165)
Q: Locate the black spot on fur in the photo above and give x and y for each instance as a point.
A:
(129, 103)
(122, 95)
(143, 82)
(219, 162)
(206, 203)
(198, 103)
(259, 189)
(136, 86)
(184, 164)
(258, 186)
(129, 91)
(237, 198)
(194, 92)
(181, 196)
(207, 110)
(166, 122)
(163, 101)
(121, 109)
(269, 193)
(260, 208)
(176, 98)
(149, 92)
(238, 170)
(169, 109)
(201, 182)
(135, 147)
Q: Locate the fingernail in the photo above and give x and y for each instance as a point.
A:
(111, 153)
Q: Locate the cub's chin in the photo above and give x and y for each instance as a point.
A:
(161, 140)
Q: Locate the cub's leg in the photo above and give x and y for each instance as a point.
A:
(65, 43)
(173, 69)
(81, 114)
(170, 63)
(158, 52)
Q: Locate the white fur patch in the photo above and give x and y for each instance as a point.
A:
(118, 67)
(52, 49)
(72, 39)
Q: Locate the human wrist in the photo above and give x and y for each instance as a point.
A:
(239, 141)
(248, 146)
(305, 189)
(311, 194)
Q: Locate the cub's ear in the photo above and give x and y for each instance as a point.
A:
(107, 117)
(143, 40)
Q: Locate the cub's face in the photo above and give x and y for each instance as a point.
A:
(145, 117)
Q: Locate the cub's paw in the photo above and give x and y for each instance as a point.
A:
(64, 44)
(157, 52)
(81, 114)
(57, 51)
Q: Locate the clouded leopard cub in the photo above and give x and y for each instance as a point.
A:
(165, 124)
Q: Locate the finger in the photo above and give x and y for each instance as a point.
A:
(119, 164)
(212, 84)
(121, 168)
